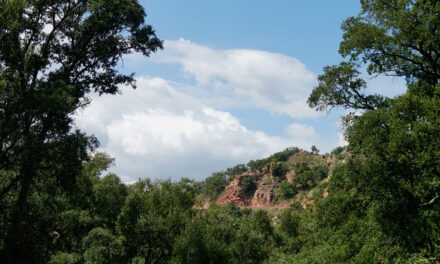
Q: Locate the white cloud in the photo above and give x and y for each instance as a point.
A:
(170, 129)
(158, 132)
(271, 81)
(304, 134)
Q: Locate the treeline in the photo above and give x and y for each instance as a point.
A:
(106, 221)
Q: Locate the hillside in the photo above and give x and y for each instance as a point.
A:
(287, 177)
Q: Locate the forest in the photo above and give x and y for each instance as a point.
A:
(59, 205)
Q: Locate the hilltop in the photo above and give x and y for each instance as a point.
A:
(286, 177)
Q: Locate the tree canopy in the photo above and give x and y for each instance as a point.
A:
(52, 54)
(394, 168)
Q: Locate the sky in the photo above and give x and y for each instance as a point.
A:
(230, 85)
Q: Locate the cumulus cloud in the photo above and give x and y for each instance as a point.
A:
(156, 131)
(167, 129)
(270, 81)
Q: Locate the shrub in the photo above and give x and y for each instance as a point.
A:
(320, 172)
(287, 190)
(248, 185)
(305, 179)
(338, 150)
(214, 185)
(279, 169)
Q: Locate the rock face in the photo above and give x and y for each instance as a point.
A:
(290, 176)
(234, 193)
(265, 193)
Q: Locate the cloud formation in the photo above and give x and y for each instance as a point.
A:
(274, 82)
(174, 129)
(156, 131)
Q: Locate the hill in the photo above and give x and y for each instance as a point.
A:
(287, 177)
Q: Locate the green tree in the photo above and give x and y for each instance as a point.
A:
(52, 54)
(394, 145)
(109, 194)
(214, 185)
(101, 247)
(279, 169)
(315, 150)
(248, 185)
(287, 190)
(319, 172)
(153, 216)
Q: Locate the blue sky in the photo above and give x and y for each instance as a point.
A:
(230, 86)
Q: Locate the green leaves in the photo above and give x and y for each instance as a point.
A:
(394, 143)
(52, 54)
(341, 86)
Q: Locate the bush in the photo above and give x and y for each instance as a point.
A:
(248, 185)
(214, 185)
(278, 169)
(305, 179)
(320, 172)
(338, 181)
(287, 190)
(279, 156)
(289, 222)
(338, 150)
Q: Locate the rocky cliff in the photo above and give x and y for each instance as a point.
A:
(266, 192)
(263, 195)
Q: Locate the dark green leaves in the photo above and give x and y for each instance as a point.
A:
(341, 86)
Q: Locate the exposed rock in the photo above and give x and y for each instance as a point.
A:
(266, 193)
(290, 175)
(233, 192)
(267, 190)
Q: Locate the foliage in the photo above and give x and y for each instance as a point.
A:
(101, 246)
(278, 169)
(214, 185)
(52, 54)
(248, 185)
(319, 172)
(338, 150)
(287, 190)
(393, 169)
(315, 150)
(279, 156)
(152, 217)
(307, 177)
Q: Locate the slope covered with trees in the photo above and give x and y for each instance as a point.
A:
(57, 207)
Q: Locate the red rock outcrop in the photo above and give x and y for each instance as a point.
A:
(266, 190)
(233, 192)
(266, 193)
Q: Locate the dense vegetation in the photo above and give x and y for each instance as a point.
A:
(383, 203)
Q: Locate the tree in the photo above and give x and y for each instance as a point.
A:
(315, 150)
(396, 38)
(153, 216)
(287, 190)
(52, 54)
(394, 143)
(248, 185)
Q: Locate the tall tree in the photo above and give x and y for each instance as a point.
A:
(395, 143)
(391, 37)
(52, 54)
